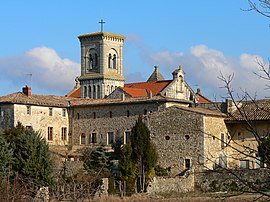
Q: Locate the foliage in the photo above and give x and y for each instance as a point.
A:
(96, 162)
(138, 158)
(6, 158)
(13, 133)
(264, 150)
(127, 168)
(160, 171)
(32, 157)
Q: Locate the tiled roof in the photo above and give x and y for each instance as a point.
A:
(76, 93)
(203, 111)
(34, 99)
(135, 92)
(257, 110)
(153, 86)
(202, 99)
(93, 102)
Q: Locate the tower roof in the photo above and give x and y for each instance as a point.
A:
(102, 34)
(156, 76)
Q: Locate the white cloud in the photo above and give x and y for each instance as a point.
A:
(49, 71)
(203, 66)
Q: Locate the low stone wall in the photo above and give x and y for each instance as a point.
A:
(233, 180)
(171, 184)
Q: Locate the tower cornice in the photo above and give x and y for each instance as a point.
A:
(101, 35)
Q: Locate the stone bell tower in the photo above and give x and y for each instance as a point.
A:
(101, 64)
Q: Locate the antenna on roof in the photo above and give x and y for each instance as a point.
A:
(30, 78)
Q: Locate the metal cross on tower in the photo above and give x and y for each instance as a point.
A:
(101, 25)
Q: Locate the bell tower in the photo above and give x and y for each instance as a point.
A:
(101, 64)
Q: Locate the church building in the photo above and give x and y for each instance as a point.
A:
(103, 108)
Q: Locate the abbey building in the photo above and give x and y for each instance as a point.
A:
(185, 126)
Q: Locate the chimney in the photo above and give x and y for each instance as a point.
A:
(27, 91)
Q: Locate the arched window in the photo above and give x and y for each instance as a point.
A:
(181, 83)
(114, 62)
(96, 60)
(108, 89)
(110, 61)
(98, 92)
(94, 92)
(111, 89)
(85, 91)
(89, 92)
(90, 62)
(83, 138)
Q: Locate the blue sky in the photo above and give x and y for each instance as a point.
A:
(205, 37)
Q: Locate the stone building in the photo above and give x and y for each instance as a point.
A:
(185, 126)
(44, 113)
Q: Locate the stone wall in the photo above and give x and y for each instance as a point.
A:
(228, 180)
(214, 127)
(171, 184)
(178, 136)
(103, 119)
(39, 119)
(7, 116)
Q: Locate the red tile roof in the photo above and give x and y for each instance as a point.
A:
(153, 86)
(76, 93)
(135, 92)
(202, 99)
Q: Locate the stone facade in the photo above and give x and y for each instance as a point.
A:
(182, 144)
(101, 64)
(215, 139)
(115, 119)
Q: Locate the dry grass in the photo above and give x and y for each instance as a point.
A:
(142, 198)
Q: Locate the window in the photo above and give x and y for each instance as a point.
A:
(28, 127)
(28, 110)
(244, 164)
(167, 137)
(94, 138)
(90, 62)
(222, 140)
(96, 60)
(110, 114)
(83, 138)
(114, 62)
(64, 112)
(187, 163)
(128, 113)
(50, 133)
(94, 92)
(110, 138)
(50, 111)
(78, 115)
(145, 112)
(187, 137)
(98, 92)
(94, 115)
(85, 91)
(110, 60)
(127, 137)
(64, 133)
(89, 92)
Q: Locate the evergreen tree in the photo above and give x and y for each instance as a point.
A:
(6, 158)
(96, 161)
(32, 157)
(142, 154)
(128, 169)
